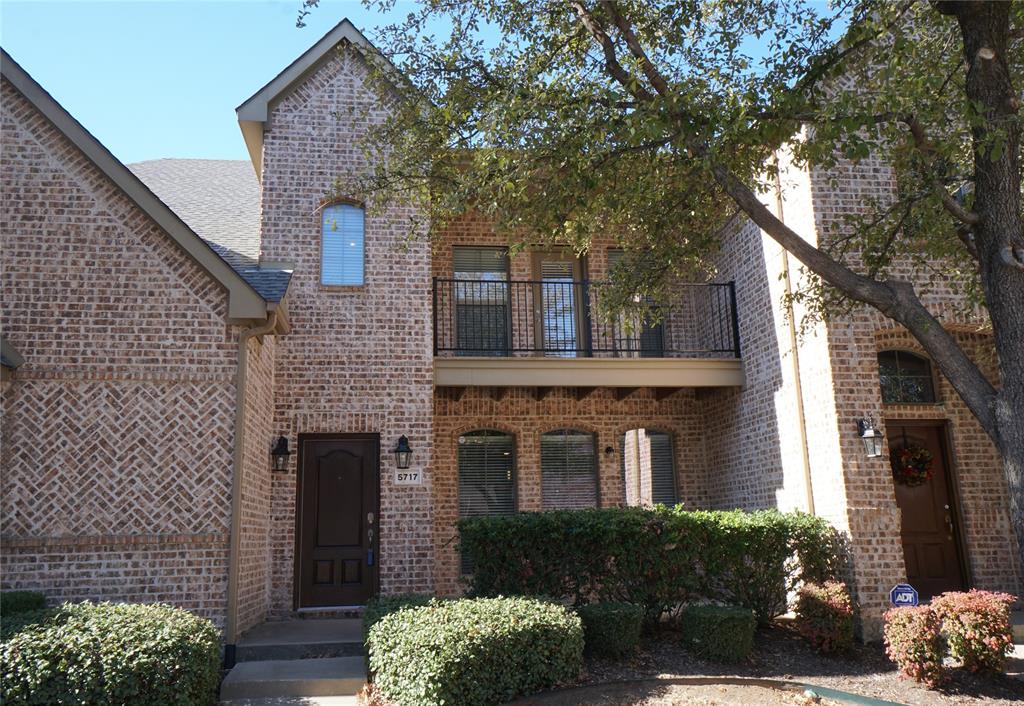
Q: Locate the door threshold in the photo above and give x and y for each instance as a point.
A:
(322, 608)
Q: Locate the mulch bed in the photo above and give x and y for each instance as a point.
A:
(779, 653)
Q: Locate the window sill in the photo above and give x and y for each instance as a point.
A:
(353, 288)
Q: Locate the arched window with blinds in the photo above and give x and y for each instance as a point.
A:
(342, 245)
(486, 476)
(648, 467)
(568, 467)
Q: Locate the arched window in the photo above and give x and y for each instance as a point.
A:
(648, 467)
(568, 467)
(486, 476)
(906, 378)
(342, 245)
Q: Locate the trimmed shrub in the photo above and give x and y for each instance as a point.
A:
(611, 629)
(379, 606)
(12, 602)
(656, 558)
(977, 627)
(720, 633)
(824, 615)
(474, 652)
(112, 654)
(913, 640)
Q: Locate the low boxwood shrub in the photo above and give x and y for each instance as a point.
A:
(824, 615)
(977, 627)
(720, 633)
(656, 558)
(913, 640)
(12, 602)
(611, 629)
(474, 652)
(111, 653)
(379, 606)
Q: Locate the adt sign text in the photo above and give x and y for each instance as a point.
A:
(903, 594)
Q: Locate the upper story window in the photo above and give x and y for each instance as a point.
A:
(342, 243)
(481, 295)
(568, 469)
(906, 378)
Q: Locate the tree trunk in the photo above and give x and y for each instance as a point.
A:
(984, 27)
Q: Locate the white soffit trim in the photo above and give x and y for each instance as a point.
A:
(243, 301)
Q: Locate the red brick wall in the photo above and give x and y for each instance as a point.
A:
(117, 431)
(254, 561)
(358, 359)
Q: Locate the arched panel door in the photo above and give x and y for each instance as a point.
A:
(338, 521)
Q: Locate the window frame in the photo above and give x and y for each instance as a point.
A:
(673, 457)
(323, 209)
(463, 569)
(933, 380)
(596, 463)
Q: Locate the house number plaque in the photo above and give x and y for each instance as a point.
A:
(408, 477)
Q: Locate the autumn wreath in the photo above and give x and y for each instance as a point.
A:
(912, 465)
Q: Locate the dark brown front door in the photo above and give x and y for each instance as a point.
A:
(337, 522)
(931, 546)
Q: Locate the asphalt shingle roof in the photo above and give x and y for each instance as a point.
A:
(219, 199)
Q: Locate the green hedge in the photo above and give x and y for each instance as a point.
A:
(110, 653)
(12, 602)
(380, 606)
(611, 629)
(655, 558)
(721, 633)
(474, 652)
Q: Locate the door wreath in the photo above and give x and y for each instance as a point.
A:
(912, 465)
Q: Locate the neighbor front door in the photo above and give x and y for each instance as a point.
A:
(929, 532)
(337, 509)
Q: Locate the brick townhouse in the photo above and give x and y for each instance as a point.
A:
(224, 391)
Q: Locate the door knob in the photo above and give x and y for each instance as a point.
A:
(369, 518)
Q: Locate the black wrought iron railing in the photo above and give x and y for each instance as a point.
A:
(562, 318)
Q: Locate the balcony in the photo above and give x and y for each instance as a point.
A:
(548, 333)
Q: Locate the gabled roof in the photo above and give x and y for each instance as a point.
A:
(219, 199)
(254, 113)
(244, 302)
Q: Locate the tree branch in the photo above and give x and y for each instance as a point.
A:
(652, 74)
(948, 202)
(611, 61)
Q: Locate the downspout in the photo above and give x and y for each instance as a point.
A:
(235, 540)
(797, 384)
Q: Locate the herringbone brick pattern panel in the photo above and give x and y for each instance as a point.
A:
(99, 457)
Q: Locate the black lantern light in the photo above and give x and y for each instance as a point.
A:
(280, 453)
(871, 437)
(403, 453)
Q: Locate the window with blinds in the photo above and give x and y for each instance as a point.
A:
(486, 476)
(663, 468)
(568, 467)
(342, 245)
(648, 453)
(481, 300)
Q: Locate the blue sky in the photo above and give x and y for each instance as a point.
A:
(162, 79)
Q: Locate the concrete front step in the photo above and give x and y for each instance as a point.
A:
(336, 676)
(301, 639)
(296, 701)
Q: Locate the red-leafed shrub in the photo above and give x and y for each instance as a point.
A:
(976, 625)
(913, 640)
(824, 615)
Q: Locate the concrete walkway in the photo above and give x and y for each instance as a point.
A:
(295, 701)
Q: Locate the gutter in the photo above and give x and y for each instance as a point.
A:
(235, 540)
(797, 384)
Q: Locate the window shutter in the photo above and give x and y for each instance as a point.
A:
(486, 476)
(342, 245)
(568, 470)
(663, 468)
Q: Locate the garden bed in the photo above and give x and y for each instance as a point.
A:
(779, 654)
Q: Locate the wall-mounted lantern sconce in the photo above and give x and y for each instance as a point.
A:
(403, 453)
(279, 454)
(871, 437)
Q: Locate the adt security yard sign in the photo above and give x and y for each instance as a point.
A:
(903, 594)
